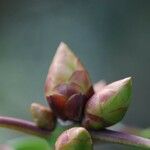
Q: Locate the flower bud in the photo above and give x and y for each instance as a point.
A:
(42, 116)
(62, 67)
(68, 86)
(109, 105)
(77, 138)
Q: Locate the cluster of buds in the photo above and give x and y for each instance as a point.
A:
(71, 96)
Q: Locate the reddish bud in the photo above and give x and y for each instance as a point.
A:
(68, 86)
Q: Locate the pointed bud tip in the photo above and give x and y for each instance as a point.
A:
(62, 43)
(118, 85)
(123, 81)
(126, 80)
(63, 47)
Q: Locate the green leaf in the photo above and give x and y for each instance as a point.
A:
(145, 133)
(29, 143)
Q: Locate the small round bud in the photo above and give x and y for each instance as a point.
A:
(43, 116)
(77, 138)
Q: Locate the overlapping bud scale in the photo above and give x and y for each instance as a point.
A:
(68, 86)
(70, 93)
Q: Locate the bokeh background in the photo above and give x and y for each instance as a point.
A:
(112, 38)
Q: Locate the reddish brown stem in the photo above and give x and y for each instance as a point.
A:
(121, 138)
(23, 126)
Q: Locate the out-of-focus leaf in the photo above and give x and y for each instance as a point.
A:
(145, 133)
(29, 143)
(6, 147)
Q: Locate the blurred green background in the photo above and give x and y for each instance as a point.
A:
(112, 38)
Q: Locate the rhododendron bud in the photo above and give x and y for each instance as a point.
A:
(109, 105)
(68, 86)
(76, 138)
(42, 116)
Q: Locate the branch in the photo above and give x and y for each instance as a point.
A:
(104, 135)
(127, 129)
(23, 126)
(120, 138)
